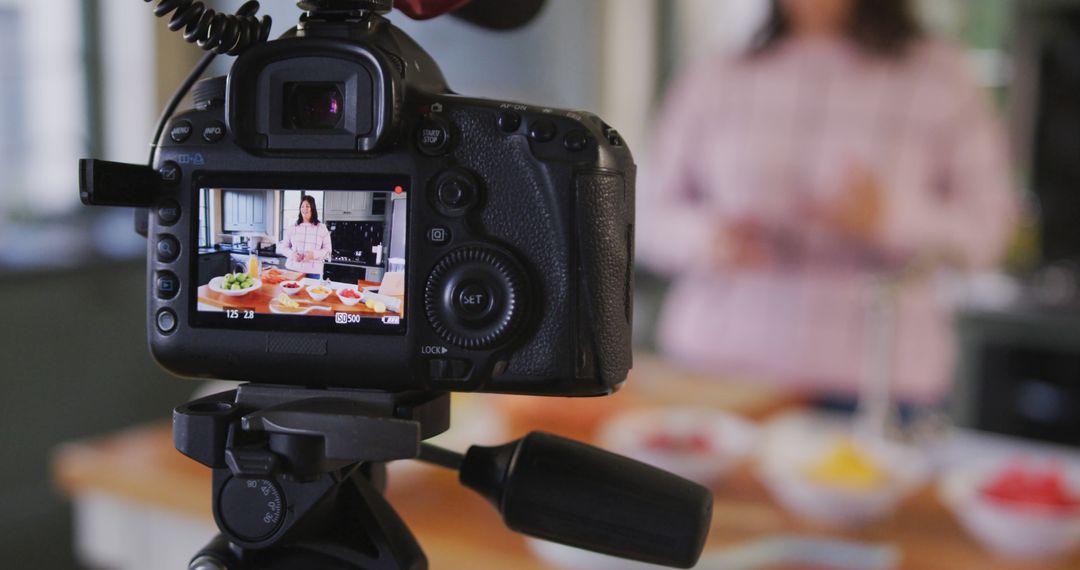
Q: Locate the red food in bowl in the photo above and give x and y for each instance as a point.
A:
(1030, 488)
(679, 443)
(350, 294)
(290, 285)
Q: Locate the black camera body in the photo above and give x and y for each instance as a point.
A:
(515, 223)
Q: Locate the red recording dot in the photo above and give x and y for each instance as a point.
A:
(398, 189)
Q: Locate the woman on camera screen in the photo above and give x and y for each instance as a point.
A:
(306, 245)
(844, 151)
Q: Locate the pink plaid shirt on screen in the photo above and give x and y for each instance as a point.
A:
(303, 238)
(752, 138)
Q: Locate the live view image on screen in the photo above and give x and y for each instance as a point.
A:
(306, 260)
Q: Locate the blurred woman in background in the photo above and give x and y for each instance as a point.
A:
(846, 147)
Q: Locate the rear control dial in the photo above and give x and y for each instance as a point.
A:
(475, 298)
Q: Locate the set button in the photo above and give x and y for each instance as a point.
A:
(474, 300)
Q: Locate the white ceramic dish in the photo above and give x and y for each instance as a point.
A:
(319, 297)
(791, 447)
(290, 291)
(349, 301)
(699, 444)
(216, 285)
(1009, 530)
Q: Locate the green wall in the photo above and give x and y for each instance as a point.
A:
(75, 364)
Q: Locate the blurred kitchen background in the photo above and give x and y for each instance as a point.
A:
(88, 78)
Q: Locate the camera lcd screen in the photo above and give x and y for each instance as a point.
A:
(301, 259)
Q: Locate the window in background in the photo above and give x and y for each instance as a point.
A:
(11, 120)
(42, 125)
(204, 218)
(59, 63)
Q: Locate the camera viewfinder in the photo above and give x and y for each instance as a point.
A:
(313, 106)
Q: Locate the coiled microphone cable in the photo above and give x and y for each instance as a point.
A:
(213, 31)
(217, 33)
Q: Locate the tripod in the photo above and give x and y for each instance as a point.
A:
(298, 476)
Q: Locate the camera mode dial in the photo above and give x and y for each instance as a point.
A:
(474, 298)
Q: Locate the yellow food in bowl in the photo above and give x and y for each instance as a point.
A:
(849, 467)
(320, 291)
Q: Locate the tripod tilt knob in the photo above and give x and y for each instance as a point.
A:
(251, 509)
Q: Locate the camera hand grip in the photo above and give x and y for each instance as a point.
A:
(605, 232)
(568, 492)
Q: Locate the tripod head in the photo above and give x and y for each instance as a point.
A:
(299, 473)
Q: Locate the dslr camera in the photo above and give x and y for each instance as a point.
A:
(456, 243)
(335, 226)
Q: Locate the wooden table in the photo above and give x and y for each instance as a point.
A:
(458, 529)
(259, 300)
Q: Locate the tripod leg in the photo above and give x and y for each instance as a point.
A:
(369, 534)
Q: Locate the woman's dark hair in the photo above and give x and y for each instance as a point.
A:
(880, 27)
(314, 211)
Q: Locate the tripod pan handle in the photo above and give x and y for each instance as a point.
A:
(575, 494)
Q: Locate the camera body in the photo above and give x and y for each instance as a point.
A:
(467, 244)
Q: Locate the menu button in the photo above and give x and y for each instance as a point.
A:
(180, 131)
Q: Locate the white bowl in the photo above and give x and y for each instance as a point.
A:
(347, 301)
(319, 296)
(290, 292)
(570, 558)
(1011, 531)
(698, 444)
(215, 285)
(791, 450)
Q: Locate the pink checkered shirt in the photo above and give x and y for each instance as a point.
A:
(751, 138)
(304, 238)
